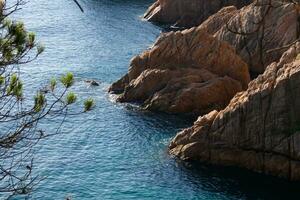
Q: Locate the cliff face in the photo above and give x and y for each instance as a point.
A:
(184, 72)
(258, 130)
(187, 13)
(199, 70)
(256, 30)
(193, 71)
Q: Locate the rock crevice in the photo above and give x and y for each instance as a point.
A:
(204, 71)
(257, 130)
(184, 72)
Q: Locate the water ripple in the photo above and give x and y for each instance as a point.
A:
(117, 151)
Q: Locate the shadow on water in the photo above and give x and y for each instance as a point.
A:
(225, 182)
(238, 183)
(144, 3)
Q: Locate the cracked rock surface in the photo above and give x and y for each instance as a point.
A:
(184, 72)
(258, 130)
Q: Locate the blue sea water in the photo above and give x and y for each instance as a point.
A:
(117, 151)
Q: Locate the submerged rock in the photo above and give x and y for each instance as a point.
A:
(186, 71)
(92, 82)
(258, 130)
(187, 13)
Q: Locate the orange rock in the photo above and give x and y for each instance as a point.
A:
(187, 13)
(262, 27)
(258, 130)
(186, 71)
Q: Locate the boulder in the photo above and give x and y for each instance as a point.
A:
(186, 71)
(187, 13)
(92, 82)
(258, 130)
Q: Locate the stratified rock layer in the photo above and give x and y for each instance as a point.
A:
(184, 72)
(258, 130)
(187, 13)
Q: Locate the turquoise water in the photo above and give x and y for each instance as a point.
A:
(117, 151)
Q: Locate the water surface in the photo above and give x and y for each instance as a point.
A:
(117, 151)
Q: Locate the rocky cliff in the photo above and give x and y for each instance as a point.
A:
(187, 13)
(193, 71)
(254, 30)
(199, 70)
(259, 28)
(258, 130)
(184, 72)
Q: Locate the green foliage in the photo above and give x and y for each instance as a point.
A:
(67, 80)
(31, 39)
(39, 102)
(89, 104)
(16, 41)
(13, 79)
(40, 49)
(2, 80)
(18, 46)
(7, 22)
(18, 30)
(15, 87)
(71, 98)
(53, 84)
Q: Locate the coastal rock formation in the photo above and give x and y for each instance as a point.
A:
(268, 25)
(186, 71)
(192, 71)
(258, 130)
(215, 22)
(187, 13)
(256, 30)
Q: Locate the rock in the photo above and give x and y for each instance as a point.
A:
(92, 82)
(186, 71)
(258, 130)
(187, 13)
(256, 30)
(215, 22)
(167, 77)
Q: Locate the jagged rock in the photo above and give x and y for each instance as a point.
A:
(187, 13)
(258, 130)
(257, 29)
(215, 22)
(92, 82)
(184, 72)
